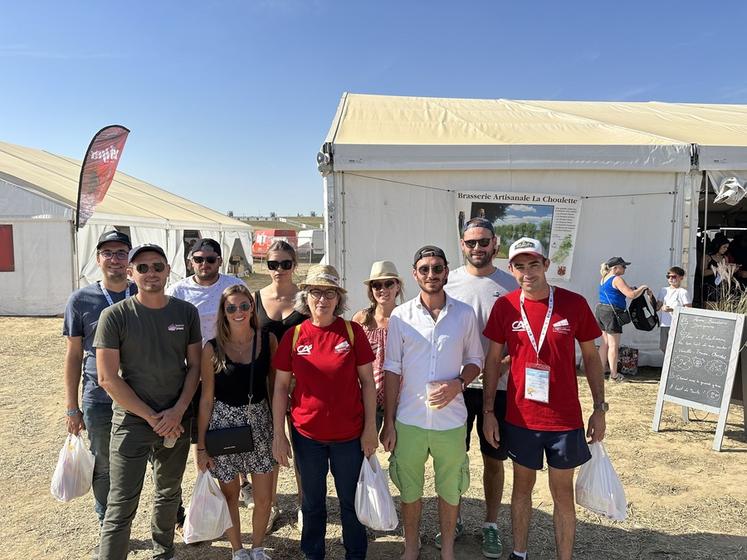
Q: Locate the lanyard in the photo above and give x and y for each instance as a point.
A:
(108, 297)
(527, 326)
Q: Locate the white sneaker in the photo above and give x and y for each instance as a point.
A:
(259, 554)
(274, 513)
(241, 554)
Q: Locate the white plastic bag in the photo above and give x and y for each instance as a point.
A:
(207, 516)
(597, 487)
(74, 471)
(373, 502)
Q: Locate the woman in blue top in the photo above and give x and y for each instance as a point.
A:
(611, 308)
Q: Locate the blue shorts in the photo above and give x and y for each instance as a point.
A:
(564, 450)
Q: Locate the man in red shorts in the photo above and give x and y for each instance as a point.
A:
(541, 324)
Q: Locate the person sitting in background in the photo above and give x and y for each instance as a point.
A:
(234, 373)
(384, 287)
(611, 307)
(670, 297)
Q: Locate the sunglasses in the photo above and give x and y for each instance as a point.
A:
(435, 269)
(200, 260)
(388, 284)
(143, 268)
(108, 255)
(244, 306)
(484, 242)
(326, 294)
(285, 265)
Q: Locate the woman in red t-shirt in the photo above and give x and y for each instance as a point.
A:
(333, 408)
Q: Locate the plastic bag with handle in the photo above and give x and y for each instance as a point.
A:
(74, 471)
(207, 516)
(373, 502)
(598, 488)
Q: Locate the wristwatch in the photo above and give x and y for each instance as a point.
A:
(72, 411)
(603, 406)
(463, 382)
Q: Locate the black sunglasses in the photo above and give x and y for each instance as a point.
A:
(244, 306)
(388, 284)
(436, 269)
(200, 260)
(143, 268)
(285, 265)
(484, 242)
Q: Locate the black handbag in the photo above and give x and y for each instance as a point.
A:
(622, 315)
(239, 439)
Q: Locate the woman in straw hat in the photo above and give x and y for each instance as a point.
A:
(333, 408)
(384, 288)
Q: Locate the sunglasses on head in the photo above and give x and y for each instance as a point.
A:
(108, 255)
(244, 306)
(285, 265)
(326, 294)
(388, 284)
(142, 268)
(200, 260)
(484, 242)
(435, 269)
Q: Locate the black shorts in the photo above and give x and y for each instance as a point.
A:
(473, 402)
(564, 450)
(608, 318)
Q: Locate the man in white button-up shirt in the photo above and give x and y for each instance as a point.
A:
(431, 339)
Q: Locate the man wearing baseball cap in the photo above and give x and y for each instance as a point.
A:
(540, 324)
(155, 341)
(94, 413)
(432, 353)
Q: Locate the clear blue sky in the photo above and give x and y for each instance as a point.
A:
(229, 101)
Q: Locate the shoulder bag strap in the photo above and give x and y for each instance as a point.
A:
(296, 334)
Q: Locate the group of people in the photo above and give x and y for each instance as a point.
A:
(475, 346)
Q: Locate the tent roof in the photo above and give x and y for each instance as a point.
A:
(57, 177)
(506, 134)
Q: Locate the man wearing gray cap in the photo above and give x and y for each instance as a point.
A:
(155, 340)
(81, 316)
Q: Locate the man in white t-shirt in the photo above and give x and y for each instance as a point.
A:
(203, 290)
(671, 297)
(479, 284)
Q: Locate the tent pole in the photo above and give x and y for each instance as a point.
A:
(704, 185)
(76, 273)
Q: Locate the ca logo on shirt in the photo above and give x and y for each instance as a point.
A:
(517, 326)
(304, 349)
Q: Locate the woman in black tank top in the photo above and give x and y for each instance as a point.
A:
(235, 370)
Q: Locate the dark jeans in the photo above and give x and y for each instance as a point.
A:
(313, 460)
(98, 421)
(133, 445)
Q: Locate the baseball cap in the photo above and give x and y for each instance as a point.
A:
(478, 223)
(525, 245)
(113, 236)
(205, 244)
(617, 261)
(146, 247)
(429, 251)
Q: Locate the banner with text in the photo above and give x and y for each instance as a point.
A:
(551, 218)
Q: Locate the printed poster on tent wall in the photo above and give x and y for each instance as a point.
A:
(551, 218)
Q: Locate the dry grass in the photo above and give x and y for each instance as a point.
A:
(685, 501)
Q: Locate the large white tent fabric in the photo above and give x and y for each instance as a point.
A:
(38, 194)
(398, 162)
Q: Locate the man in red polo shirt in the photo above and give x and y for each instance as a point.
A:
(541, 324)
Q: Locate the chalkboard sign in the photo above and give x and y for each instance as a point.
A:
(700, 363)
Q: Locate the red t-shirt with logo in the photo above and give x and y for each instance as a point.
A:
(571, 320)
(326, 403)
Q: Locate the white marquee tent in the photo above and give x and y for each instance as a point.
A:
(393, 167)
(38, 193)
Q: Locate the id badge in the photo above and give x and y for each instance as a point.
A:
(537, 382)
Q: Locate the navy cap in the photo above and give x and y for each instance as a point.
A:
(146, 247)
(205, 244)
(114, 236)
(478, 223)
(429, 251)
(617, 261)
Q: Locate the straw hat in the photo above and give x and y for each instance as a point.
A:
(322, 275)
(383, 270)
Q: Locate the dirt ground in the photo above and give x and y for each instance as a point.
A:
(684, 500)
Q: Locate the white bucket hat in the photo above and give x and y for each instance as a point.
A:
(383, 270)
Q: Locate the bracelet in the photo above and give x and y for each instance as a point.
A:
(488, 411)
(73, 412)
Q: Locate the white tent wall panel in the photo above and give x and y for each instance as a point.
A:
(175, 254)
(383, 219)
(42, 280)
(16, 201)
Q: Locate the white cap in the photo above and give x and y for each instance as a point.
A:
(525, 245)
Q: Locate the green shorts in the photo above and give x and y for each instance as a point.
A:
(450, 462)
